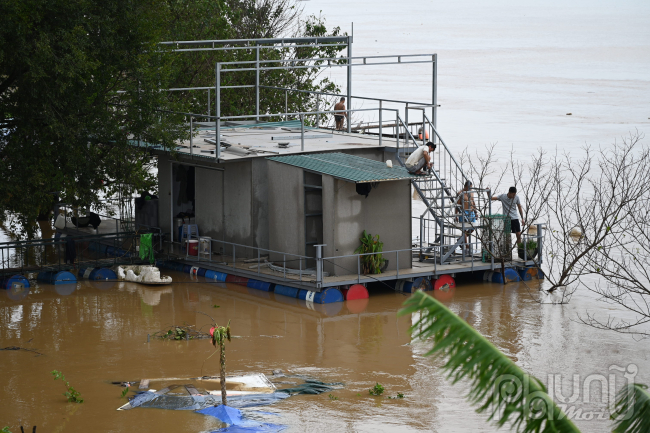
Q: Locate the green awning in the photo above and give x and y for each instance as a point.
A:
(346, 167)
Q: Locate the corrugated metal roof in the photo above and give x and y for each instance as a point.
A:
(347, 167)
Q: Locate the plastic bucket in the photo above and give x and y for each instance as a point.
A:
(193, 247)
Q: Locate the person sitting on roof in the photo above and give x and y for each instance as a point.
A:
(420, 159)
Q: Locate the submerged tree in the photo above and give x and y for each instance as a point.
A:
(219, 336)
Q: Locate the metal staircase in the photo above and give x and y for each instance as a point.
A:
(441, 236)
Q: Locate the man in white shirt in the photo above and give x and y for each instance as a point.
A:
(510, 204)
(420, 158)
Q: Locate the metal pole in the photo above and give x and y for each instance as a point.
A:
(349, 83)
(286, 105)
(302, 132)
(217, 102)
(191, 138)
(380, 125)
(434, 92)
(209, 102)
(540, 229)
(397, 264)
(257, 82)
(406, 122)
(318, 109)
(319, 265)
(397, 130)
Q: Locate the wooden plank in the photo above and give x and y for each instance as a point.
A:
(192, 390)
(144, 384)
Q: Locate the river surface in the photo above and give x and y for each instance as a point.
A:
(509, 72)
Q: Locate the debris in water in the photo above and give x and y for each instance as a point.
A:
(184, 332)
(21, 348)
(142, 274)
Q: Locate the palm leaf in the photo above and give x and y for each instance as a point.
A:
(497, 385)
(631, 413)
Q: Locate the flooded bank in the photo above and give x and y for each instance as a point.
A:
(97, 333)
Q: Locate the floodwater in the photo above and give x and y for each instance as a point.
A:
(509, 72)
(96, 334)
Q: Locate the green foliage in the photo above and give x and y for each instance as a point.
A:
(332, 397)
(400, 395)
(378, 389)
(497, 384)
(631, 411)
(215, 306)
(72, 394)
(372, 263)
(125, 391)
(5, 430)
(65, 127)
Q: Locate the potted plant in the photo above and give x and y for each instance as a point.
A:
(371, 263)
(531, 250)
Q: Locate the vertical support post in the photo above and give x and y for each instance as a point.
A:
(397, 130)
(406, 124)
(318, 109)
(302, 132)
(286, 105)
(319, 265)
(171, 201)
(192, 137)
(349, 83)
(217, 102)
(257, 82)
(209, 108)
(397, 262)
(284, 265)
(380, 121)
(434, 92)
(358, 269)
(540, 237)
(258, 260)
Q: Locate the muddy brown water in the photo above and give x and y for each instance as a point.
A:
(98, 333)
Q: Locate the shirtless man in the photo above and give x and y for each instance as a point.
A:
(467, 208)
(338, 117)
(510, 204)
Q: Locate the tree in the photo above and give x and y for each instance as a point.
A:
(80, 84)
(65, 126)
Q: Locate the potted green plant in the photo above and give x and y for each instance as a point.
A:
(371, 263)
(531, 250)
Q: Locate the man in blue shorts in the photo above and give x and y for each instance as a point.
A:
(466, 206)
(510, 204)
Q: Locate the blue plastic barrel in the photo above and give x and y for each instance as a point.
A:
(56, 277)
(187, 268)
(216, 276)
(404, 286)
(326, 296)
(201, 272)
(496, 277)
(15, 281)
(260, 285)
(291, 292)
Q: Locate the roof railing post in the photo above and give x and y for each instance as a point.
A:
(302, 132)
(257, 82)
(191, 137)
(217, 101)
(380, 121)
(286, 105)
(349, 83)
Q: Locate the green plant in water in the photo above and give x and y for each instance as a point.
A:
(378, 389)
(219, 336)
(5, 430)
(371, 245)
(72, 394)
(125, 391)
(332, 397)
(400, 395)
